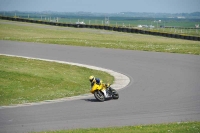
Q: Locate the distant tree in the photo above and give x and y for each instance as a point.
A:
(197, 14)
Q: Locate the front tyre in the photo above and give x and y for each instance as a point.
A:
(99, 96)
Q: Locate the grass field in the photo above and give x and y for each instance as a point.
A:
(181, 31)
(27, 80)
(179, 127)
(95, 38)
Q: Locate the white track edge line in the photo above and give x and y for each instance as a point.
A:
(120, 82)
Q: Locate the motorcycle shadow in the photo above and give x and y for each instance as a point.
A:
(95, 100)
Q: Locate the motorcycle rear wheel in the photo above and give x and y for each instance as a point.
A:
(99, 96)
(115, 94)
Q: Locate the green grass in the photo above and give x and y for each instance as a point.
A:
(120, 21)
(95, 38)
(190, 32)
(27, 80)
(179, 127)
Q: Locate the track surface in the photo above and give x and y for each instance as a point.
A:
(164, 88)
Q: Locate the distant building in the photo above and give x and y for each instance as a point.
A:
(181, 17)
(151, 26)
(145, 26)
(80, 23)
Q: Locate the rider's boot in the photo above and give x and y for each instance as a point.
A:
(105, 94)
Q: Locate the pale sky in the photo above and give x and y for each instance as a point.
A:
(103, 6)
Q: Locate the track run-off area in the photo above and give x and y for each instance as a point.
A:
(163, 87)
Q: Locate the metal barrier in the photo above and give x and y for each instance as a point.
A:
(119, 29)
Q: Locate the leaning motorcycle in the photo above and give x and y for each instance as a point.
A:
(97, 90)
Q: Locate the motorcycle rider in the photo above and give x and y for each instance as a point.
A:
(94, 80)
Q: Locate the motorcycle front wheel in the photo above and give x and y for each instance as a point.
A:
(99, 96)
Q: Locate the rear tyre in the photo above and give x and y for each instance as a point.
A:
(99, 96)
(115, 94)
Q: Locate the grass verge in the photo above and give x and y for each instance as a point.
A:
(179, 127)
(28, 80)
(94, 38)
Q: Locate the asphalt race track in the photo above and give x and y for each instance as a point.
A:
(164, 88)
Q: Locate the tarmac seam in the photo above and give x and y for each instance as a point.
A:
(120, 82)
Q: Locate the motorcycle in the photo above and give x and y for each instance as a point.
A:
(97, 90)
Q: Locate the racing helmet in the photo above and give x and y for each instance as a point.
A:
(91, 78)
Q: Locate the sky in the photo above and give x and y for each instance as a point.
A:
(102, 6)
